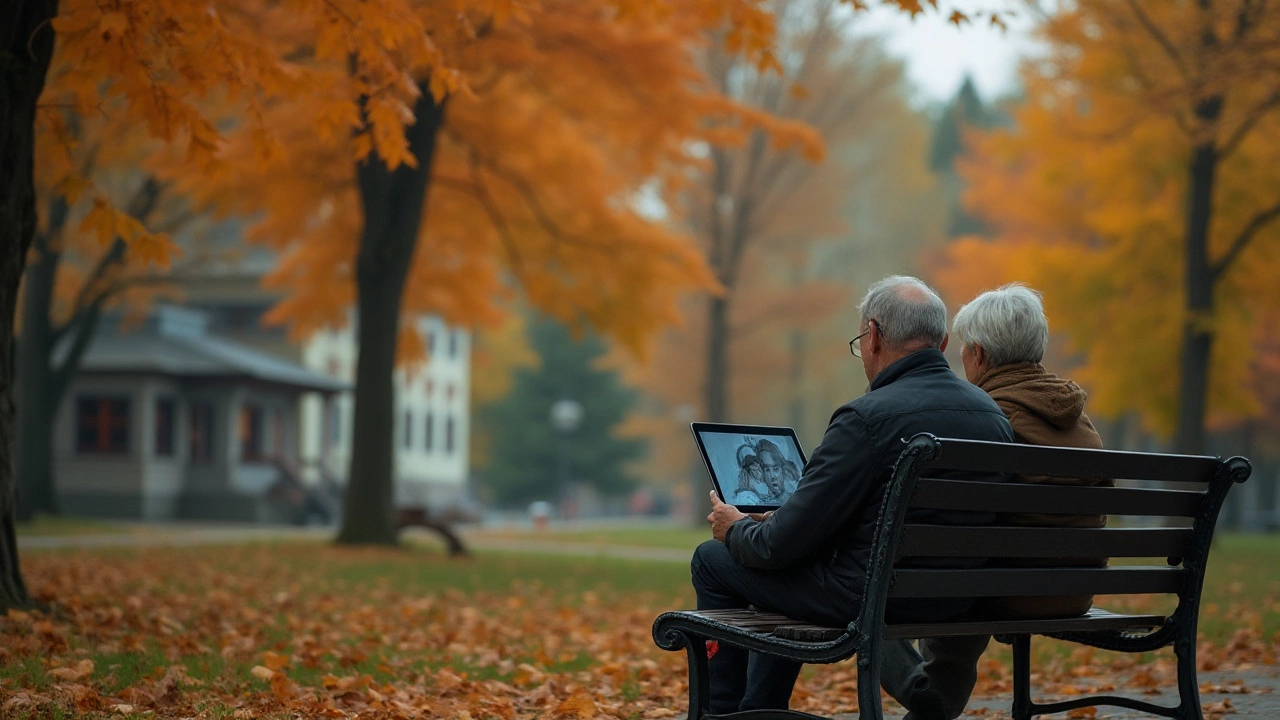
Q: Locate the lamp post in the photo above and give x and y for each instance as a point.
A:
(566, 416)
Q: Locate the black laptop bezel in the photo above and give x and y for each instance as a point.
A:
(760, 430)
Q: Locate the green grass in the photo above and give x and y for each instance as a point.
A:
(678, 537)
(44, 525)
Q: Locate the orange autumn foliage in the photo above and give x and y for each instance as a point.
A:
(553, 172)
(1088, 194)
(569, 126)
(559, 112)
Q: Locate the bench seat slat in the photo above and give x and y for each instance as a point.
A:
(1035, 542)
(982, 456)
(1024, 582)
(1032, 498)
(753, 620)
(1096, 619)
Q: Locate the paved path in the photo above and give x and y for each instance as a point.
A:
(1262, 699)
(186, 534)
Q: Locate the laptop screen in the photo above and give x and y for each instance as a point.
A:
(753, 467)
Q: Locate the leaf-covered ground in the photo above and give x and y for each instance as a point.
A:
(306, 629)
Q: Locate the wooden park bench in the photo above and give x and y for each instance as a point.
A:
(1180, 556)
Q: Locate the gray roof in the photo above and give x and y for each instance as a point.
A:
(175, 343)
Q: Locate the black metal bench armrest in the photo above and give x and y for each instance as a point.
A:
(752, 631)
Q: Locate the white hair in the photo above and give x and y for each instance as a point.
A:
(1008, 323)
(906, 311)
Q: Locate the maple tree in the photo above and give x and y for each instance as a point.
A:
(613, 105)
(1137, 189)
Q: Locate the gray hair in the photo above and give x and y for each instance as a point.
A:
(906, 311)
(1008, 323)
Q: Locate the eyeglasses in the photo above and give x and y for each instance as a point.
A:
(853, 344)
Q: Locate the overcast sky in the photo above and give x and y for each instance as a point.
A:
(938, 54)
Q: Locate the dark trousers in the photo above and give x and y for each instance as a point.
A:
(740, 680)
(946, 668)
(753, 681)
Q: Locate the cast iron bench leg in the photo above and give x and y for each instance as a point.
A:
(699, 678)
(869, 704)
(1188, 693)
(1022, 704)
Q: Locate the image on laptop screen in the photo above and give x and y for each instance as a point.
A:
(753, 467)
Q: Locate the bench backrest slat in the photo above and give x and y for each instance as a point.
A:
(1017, 497)
(992, 582)
(897, 568)
(980, 456)
(1035, 542)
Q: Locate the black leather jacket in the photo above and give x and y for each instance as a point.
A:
(829, 522)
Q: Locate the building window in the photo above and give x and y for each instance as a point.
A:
(408, 429)
(102, 425)
(453, 343)
(250, 432)
(201, 432)
(448, 434)
(430, 423)
(164, 427)
(335, 422)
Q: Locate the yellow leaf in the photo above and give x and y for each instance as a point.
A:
(579, 706)
(274, 660)
(262, 673)
(100, 221)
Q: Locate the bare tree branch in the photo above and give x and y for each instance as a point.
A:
(1159, 36)
(95, 291)
(482, 195)
(1255, 225)
(1251, 119)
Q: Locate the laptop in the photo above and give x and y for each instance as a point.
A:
(752, 467)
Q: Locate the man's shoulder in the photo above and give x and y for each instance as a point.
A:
(942, 389)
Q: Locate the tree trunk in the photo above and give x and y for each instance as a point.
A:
(37, 399)
(26, 45)
(717, 388)
(393, 203)
(1197, 335)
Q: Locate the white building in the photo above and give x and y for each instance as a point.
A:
(433, 410)
(432, 418)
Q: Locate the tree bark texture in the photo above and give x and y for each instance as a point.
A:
(35, 394)
(1197, 333)
(717, 384)
(26, 46)
(393, 203)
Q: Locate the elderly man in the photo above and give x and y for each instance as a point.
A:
(1003, 334)
(808, 559)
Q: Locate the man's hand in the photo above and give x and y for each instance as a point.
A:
(721, 517)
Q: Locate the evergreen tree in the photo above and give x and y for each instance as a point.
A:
(966, 111)
(532, 460)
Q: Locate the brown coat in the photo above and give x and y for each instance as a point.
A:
(1044, 409)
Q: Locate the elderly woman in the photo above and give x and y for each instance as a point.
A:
(1003, 334)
